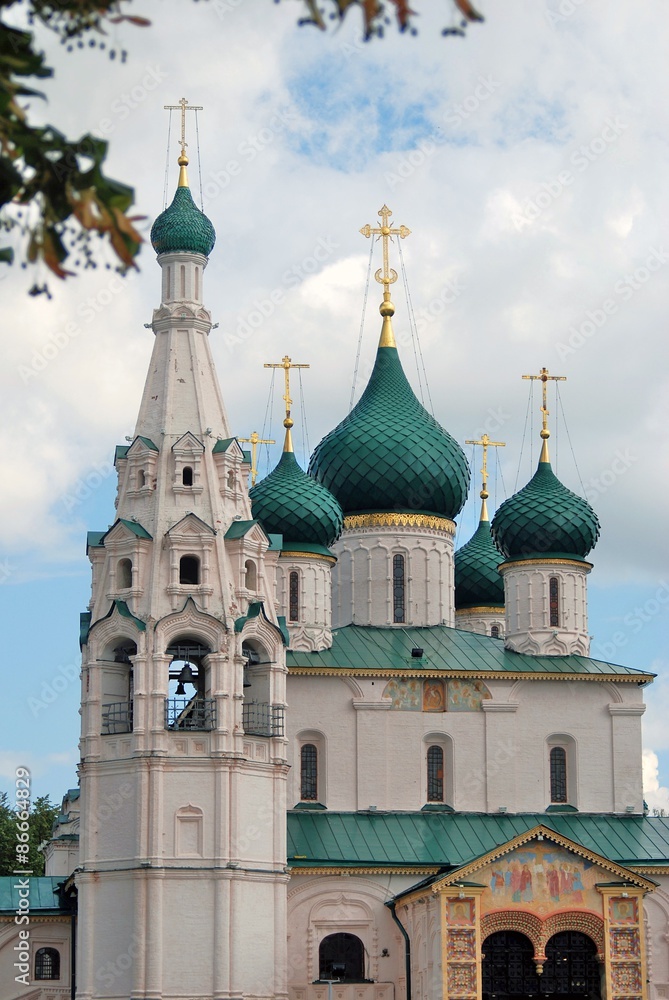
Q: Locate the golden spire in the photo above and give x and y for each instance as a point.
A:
(386, 275)
(183, 106)
(545, 377)
(254, 441)
(286, 363)
(486, 443)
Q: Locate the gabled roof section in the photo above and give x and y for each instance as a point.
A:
(239, 529)
(125, 612)
(84, 627)
(193, 524)
(121, 451)
(134, 527)
(139, 444)
(94, 540)
(446, 842)
(223, 444)
(257, 608)
(188, 442)
(361, 649)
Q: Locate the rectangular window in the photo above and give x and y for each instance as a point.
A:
(294, 597)
(554, 601)
(558, 762)
(435, 774)
(309, 773)
(398, 589)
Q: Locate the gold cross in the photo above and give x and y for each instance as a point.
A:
(545, 377)
(254, 441)
(183, 106)
(286, 363)
(385, 276)
(486, 443)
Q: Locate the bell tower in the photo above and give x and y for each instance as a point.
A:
(183, 750)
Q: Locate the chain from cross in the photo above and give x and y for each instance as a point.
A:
(544, 376)
(254, 441)
(385, 275)
(183, 106)
(486, 443)
(286, 363)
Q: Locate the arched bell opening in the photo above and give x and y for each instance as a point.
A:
(341, 957)
(259, 716)
(188, 704)
(116, 687)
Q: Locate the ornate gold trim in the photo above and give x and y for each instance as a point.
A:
(482, 609)
(544, 560)
(399, 520)
(483, 675)
(307, 555)
(395, 870)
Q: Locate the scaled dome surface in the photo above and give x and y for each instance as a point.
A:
(389, 453)
(293, 504)
(478, 582)
(182, 227)
(545, 519)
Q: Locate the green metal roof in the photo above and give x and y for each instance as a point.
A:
(389, 453)
(136, 528)
(239, 528)
(450, 840)
(222, 445)
(477, 579)
(290, 502)
(183, 227)
(545, 519)
(94, 540)
(148, 442)
(364, 647)
(121, 451)
(43, 897)
(257, 608)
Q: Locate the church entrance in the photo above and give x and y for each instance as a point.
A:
(571, 970)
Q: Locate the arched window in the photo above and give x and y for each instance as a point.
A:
(309, 773)
(435, 774)
(294, 596)
(187, 475)
(183, 281)
(141, 478)
(341, 956)
(251, 580)
(189, 570)
(47, 963)
(168, 293)
(231, 479)
(124, 574)
(399, 611)
(554, 601)
(197, 282)
(494, 631)
(558, 767)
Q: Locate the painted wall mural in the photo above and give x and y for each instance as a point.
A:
(539, 878)
(436, 695)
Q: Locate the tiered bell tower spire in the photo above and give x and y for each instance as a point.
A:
(183, 589)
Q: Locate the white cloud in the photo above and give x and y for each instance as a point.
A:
(656, 795)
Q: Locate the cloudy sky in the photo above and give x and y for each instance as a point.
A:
(529, 160)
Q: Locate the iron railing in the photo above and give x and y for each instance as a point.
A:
(190, 713)
(262, 719)
(116, 718)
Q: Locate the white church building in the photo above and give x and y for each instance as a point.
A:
(323, 755)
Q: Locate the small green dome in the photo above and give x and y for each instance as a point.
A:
(389, 453)
(183, 227)
(477, 579)
(288, 502)
(545, 519)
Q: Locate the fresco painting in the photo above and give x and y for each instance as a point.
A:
(460, 911)
(540, 877)
(434, 698)
(405, 695)
(466, 696)
(622, 911)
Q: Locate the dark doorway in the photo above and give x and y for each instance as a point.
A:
(571, 968)
(341, 956)
(508, 968)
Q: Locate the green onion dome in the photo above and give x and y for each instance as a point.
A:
(183, 228)
(389, 453)
(478, 582)
(288, 502)
(545, 519)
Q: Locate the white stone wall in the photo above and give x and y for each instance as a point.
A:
(362, 580)
(495, 758)
(481, 620)
(527, 603)
(312, 629)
